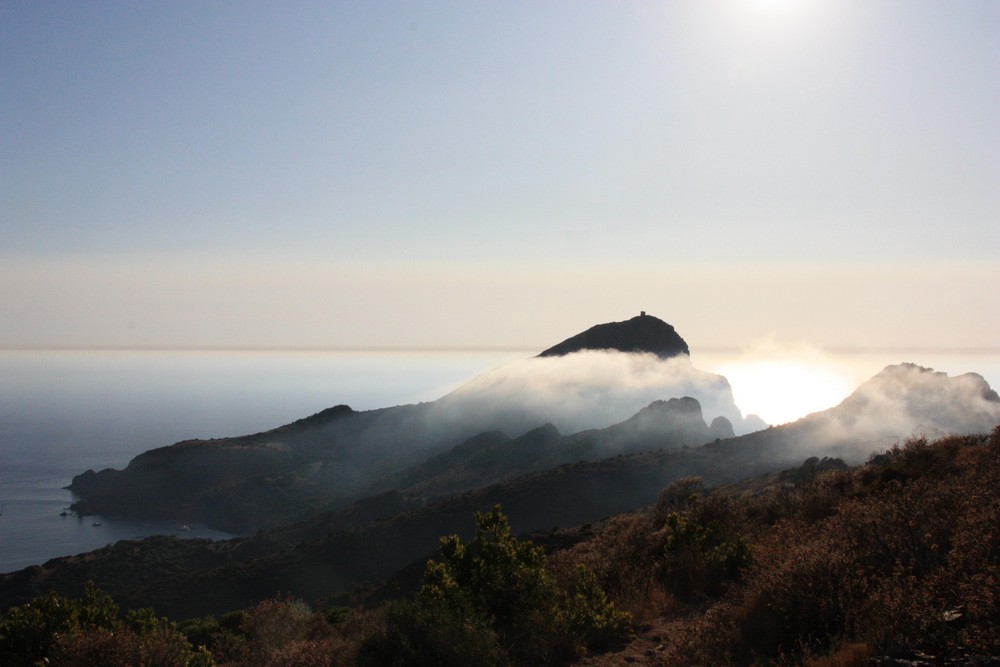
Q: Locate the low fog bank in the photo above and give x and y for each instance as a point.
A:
(912, 400)
(903, 401)
(599, 404)
(585, 390)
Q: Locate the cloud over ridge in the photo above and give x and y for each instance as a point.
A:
(586, 389)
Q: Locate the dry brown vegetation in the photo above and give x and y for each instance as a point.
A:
(899, 558)
(827, 566)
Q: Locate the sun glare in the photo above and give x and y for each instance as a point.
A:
(781, 14)
(772, 7)
(782, 389)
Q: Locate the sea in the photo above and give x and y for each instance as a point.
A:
(63, 412)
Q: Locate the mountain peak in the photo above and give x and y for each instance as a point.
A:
(643, 333)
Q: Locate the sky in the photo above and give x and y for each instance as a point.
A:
(441, 174)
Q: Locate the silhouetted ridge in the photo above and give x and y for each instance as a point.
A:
(644, 333)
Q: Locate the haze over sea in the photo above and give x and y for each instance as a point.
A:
(64, 411)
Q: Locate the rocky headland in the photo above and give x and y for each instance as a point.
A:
(343, 498)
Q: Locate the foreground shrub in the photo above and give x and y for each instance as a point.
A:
(88, 631)
(162, 647)
(700, 555)
(284, 632)
(28, 632)
(493, 600)
(590, 616)
(429, 632)
(622, 557)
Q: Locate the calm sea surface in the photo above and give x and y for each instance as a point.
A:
(62, 412)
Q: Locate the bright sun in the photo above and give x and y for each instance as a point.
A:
(780, 390)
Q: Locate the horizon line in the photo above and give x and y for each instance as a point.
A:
(709, 349)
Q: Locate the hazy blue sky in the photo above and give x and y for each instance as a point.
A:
(468, 173)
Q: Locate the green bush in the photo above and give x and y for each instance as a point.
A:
(88, 631)
(432, 632)
(493, 599)
(29, 633)
(591, 616)
(700, 555)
